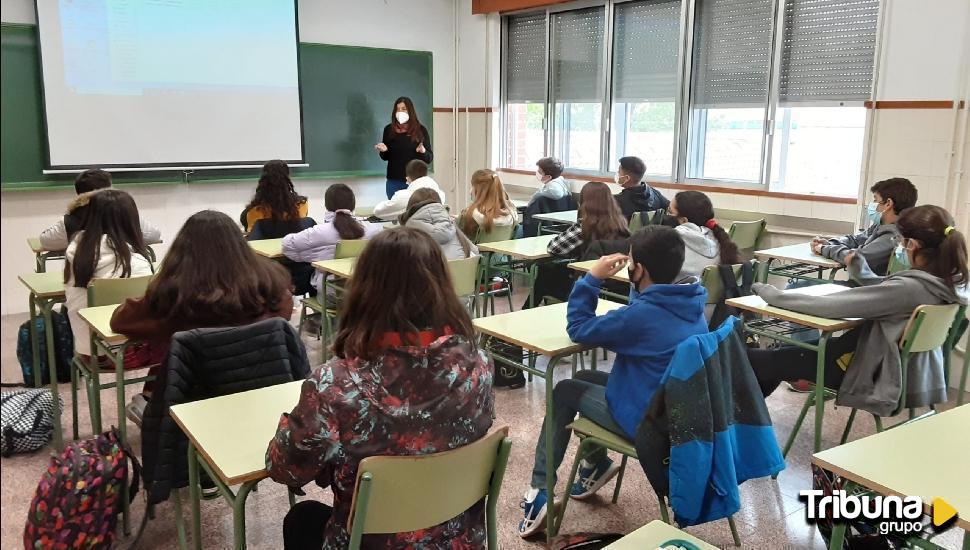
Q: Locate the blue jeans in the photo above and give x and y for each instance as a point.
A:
(393, 186)
(585, 394)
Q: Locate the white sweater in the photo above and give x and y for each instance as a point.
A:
(76, 298)
(701, 249)
(393, 207)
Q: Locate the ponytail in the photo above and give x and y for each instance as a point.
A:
(943, 250)
(952, 259)
(340, 200)
(697, 208)
(347, 225)
(729, 254)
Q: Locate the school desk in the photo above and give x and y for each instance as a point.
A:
(268, 248)
(538, 331)
(525, 252)
(780, 324)
(228, 437)
(41, 254)
(621, 276)
(364, 211)
(520, 204)
(556, 222)
(46, 289)
(926, 457)
(341, 269)
(798, 263)
(657, 534)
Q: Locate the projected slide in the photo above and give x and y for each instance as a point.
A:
(170, 82)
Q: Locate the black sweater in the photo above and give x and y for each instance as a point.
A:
(401, 150)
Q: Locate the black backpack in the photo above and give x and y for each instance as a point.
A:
(732, 289)
(63, 349)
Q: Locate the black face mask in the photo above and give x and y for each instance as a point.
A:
(634, 284)
(670, 221)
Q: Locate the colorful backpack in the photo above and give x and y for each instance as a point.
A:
(63, 349)
(26, 420)
(79, 496)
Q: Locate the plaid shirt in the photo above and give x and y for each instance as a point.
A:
(567, 243)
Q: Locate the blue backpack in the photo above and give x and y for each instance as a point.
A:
(63, 349)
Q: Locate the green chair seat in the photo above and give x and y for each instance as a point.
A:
(587, 428)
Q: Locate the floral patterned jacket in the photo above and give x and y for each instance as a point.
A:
(410, 400)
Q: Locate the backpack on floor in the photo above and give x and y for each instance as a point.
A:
(26, 420)
(78, 498)
(63, 349)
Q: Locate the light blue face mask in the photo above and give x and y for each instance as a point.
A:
(873, 213)
(902, 258)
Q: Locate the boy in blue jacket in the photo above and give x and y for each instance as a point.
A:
(662, 313)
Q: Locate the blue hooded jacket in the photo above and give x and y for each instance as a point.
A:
(644, 336)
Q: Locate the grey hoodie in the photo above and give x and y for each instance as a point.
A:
(873, 382)
(701, 251)
(435, 220)
(875, 244)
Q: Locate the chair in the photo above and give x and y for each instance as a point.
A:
(747, 234)
(929, 328)
(593, 436)
(102, 292)
(639, 220)
(711, 280)
(396, 494)
(487, 293)
(348, 248)
(956, 333)
(465, 276)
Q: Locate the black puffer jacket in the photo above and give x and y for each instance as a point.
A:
(210, 362)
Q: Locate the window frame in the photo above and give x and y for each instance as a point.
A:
(683, 135)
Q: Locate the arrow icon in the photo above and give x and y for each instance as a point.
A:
(942, 511)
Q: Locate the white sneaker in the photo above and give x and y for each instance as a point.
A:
(135, 410)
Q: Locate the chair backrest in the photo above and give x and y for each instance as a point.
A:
(396, 494)
(464, 275)
(928, 328)
(639, 220)
(349, 248)
(105, 292)
(711, 279)
(498, 233)
(747, 234)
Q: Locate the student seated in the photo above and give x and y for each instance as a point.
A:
(211, 277)
(491, 206)
(643, 335)
(416, 176)
(277, 201)
(58, 236)
(110, 246)
(425, 212)
(706, 241)
(599, 219)
(320, 241)
(553, 186)
(863, 363)
(636, 195)
(407, 379)
(876, 244)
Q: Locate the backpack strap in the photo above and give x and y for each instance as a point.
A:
(133, 488)
(731, 290)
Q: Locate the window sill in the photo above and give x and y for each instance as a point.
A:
(705, 188)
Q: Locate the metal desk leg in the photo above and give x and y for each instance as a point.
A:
(40, 262)
(239, 515)
(839, 527)
(533, 275)
(118, 358)
(550, 459)
(45, 309)
(820, 388)
(34, 340)
(324, 321)
(195, 495)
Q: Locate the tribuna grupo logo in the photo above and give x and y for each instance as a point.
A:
(893, 514)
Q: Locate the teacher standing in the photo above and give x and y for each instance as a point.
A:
(405, 139)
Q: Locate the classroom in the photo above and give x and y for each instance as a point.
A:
(301, 274)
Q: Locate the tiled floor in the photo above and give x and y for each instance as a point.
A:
(771, 515)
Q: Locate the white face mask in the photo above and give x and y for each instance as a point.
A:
(402, 117)
(540, 177)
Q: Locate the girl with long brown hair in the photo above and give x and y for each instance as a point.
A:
(407, 379)
(404, 140)
(491, 206)
(275, 198)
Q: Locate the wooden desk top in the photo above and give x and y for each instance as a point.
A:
(926, 458)
(99, 319)
(342, 268)
(520, 203)
(364, 211)
(44, 285)
(531, 248)
(35, 246)
(584, 267)
(567, 216)
(269, 248)
(232, 432)
(800, 253)
(653, 535)
(755, 304)
(540, 329)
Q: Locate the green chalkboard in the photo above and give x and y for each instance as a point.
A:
(347, 94)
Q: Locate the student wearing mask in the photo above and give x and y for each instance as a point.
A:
(417, 178)
(864, 363)
(407, 379)
(405, 139)
(707, 242)
(426, 213)
(58, 236)
(875, 245)
(636, 195)
(553, 186)
(491, 206)
(667, 311)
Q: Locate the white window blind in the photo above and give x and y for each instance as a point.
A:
(577, 55)
(525, 69)
(645, 46)
(732, 52)
(828, 51)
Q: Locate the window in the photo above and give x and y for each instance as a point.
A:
(763, 93)
(646, 45)
(577, 85)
